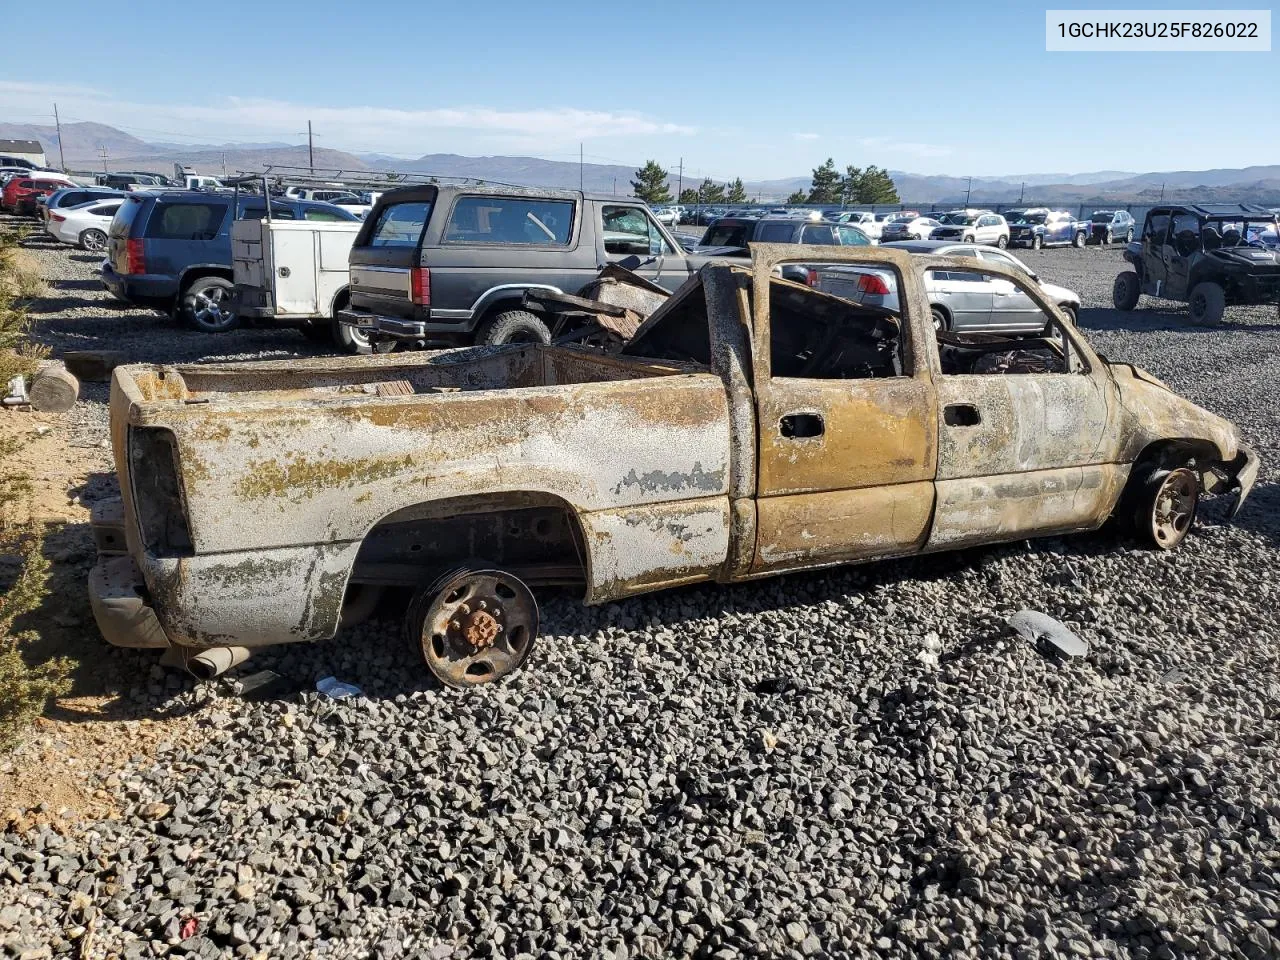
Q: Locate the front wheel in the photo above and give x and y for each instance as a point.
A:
(473, 626)
(95, 241)
(1002, 242)
(941, 322)
(1037, 242)
(1106, 238)
(969, 239)
(1078, 241)
(1208, 302)
(1125, 291)
(1165, 506)
(207, 305)
(1128, 237)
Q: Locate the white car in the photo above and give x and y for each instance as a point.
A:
(669, 216)
(962, 302)
(84, 226)
(973, 226)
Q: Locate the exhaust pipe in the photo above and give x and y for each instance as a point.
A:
(208, 663)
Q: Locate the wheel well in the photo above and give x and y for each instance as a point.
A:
(942, 310)
(534, 535)
(340, 300)
(502, 306)
(199, 273)
(1165, 454)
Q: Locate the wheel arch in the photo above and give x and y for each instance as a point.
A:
(340, 299)
(198, 272)
(506, 297)
(534, 534)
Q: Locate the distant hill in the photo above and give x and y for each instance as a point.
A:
(82, 143)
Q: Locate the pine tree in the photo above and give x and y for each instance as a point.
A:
(877, 187)
(688, 195)
(798, 197)
(737, 192)
(826, 184)
(650, 184)
(710, 192)
(851, 185)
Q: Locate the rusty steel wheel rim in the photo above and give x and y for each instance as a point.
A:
(479, 627)
(1175, 507)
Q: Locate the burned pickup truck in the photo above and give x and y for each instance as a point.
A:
(748, 427)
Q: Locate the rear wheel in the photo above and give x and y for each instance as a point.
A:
(206, 305)
(969, 239)
(941, 321)
(1125, 291)
(94, 241)
(1002, 242)
(1128, 237)
(1208, 302)
(473, 625)
(513, 326)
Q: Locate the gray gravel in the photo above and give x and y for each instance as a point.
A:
(863, 762)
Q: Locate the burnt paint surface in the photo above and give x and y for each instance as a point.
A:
(285, 466)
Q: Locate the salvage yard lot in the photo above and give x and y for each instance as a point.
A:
(858, 761)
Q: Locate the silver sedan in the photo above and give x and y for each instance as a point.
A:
(961, 301)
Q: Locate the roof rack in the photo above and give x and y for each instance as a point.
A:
(296, 176)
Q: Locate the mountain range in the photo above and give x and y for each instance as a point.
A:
(83, 145)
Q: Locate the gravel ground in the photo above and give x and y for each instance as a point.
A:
(862, 762)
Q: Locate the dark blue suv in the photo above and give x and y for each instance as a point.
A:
(172, 249)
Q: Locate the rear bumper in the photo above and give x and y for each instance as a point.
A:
(398, 328)
(141, 288)
(117, 591)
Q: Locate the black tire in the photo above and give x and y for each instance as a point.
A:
(1207, 303)
(93, 240)
(1072, 314)
(1078, 240)
(1105, 239)
(1128, 237)
(513, 326)
(1126, 290)
(318, 331)
(472, 625)
(206, 305)
(1002, 241)
(941, 322)
(1037, 242)
(1162, 505)
(970, 239)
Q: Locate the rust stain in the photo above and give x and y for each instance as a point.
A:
(303, 477)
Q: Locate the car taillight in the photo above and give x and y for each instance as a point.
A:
(870, 283)
(135, 260)
(57, 216)
(420, 278)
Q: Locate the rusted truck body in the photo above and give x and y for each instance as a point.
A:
(751, 426)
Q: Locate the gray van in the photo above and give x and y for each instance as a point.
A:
(451, 263)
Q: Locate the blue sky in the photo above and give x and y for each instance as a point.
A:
(752, 89)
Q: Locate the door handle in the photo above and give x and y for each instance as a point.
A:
(961, 415)
(799, 426)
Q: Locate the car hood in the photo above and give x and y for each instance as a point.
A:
(1249, 256)
(1152, 412)
(1060, 294)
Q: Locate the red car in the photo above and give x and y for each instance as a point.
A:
(20, 193)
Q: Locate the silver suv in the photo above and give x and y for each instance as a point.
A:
(973, 226)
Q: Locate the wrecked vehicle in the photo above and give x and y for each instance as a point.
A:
(748, 427)
(1208, 257)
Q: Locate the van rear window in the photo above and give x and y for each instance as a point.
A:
(400, 224)
(186, 221)
(510, 220)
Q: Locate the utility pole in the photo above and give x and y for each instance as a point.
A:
(62, 155)
(680, 181)
(224, 165)
(1022, 193)
(102, 152)
(580, 174)
(615, 186)
(967, 189)
(1161, 200)
(311, 152)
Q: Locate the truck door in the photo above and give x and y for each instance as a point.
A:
(293, 268)
(1023, 441)
(847, 427)
(629, 231)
